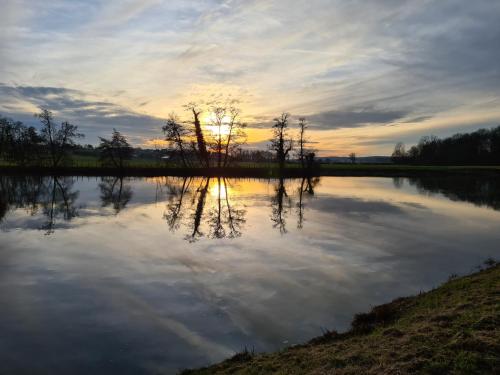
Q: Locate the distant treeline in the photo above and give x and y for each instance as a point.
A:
(479, 147)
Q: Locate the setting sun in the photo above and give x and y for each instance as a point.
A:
(210, 121)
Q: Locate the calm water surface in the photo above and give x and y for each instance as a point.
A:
(131, 276)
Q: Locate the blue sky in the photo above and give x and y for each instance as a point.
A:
(365, 73)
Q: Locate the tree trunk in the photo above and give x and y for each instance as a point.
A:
(202, 146)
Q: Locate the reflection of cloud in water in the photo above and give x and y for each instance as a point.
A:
(128, 287)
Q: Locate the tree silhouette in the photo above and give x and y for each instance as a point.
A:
(200, 138)
(479, 147)
(175, 135)
(229, 131)
(399, 153)
(302, 141)
(280, 143)
(19, 143)
(115, 151)
(57, 139)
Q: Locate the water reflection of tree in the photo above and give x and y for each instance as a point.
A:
(479, 190)
(197, 215)
(58, 201)
(307, 186)
(192, 209)
(225, 220)
(53, 195)
(115, 192)
(20, 192)
(174, 211)
(280, 206)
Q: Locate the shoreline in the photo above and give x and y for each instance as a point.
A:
(347, 170)
(454, 328)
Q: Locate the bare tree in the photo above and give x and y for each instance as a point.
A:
(200, 138)
(280, 143)
(352, 157)
(229, 131)
(302, 141)
(115, 151)
(236, 135)
(57, 139)
(217, 120)
(175, 135)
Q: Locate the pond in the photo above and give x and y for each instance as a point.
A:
(130, 276)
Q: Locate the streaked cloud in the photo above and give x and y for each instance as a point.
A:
(354, 118)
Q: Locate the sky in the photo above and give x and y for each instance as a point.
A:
(365, 74)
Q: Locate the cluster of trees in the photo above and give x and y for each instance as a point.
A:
(217, 143)
(479, 147)
(26, 145)
(192, 144)
(53, 143)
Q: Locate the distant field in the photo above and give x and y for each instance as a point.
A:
(90, 165)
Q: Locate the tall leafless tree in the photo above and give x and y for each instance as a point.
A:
(281, 143)
(302, 141)
(57, 139)
(200, 138)
(176, 135)
(229, 131)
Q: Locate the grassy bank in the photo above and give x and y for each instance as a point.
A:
(253, 170)
(454, 329)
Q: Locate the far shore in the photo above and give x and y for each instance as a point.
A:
(291, 171)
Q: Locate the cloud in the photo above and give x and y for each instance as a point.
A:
(94, 117)
(357, 208)
(354, 118)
